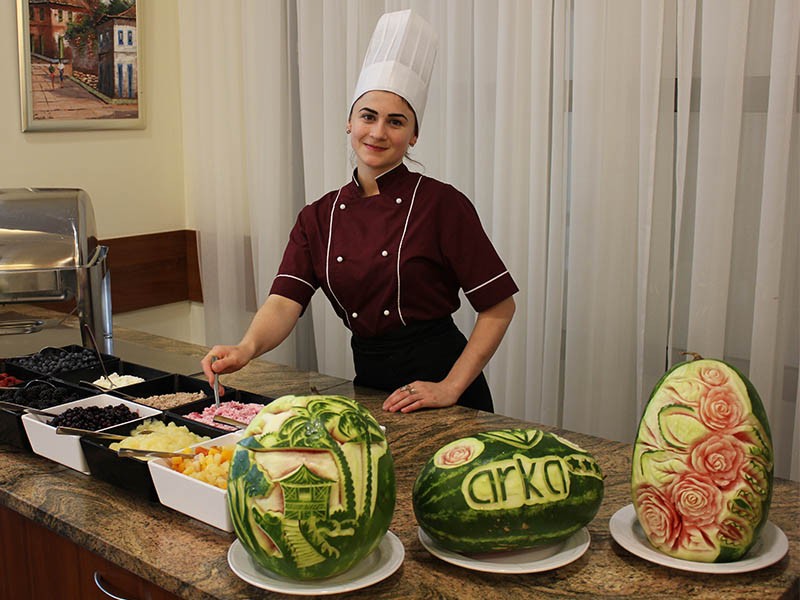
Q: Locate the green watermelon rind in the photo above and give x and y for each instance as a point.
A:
(444, 515)
(246, 480)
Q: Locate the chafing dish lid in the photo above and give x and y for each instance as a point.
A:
(46, 228)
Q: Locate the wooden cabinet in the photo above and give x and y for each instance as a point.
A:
(38, 563)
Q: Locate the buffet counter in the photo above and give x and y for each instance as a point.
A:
(185, 558)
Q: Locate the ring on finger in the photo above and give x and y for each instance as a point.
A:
(411, 390)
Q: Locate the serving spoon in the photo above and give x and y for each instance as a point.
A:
(112, 391)
(97, 351)
(27, 409)
(27, 383)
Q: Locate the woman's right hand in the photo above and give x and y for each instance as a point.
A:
(229, 359)
(273, 322)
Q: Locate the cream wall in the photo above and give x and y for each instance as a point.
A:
(180, 321)
(134, 178)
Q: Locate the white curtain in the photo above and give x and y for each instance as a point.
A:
(242, 161)
(634, 162)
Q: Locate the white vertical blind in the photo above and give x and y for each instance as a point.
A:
(777, 253)
(600, 363)
(724, 35)
(237, 144)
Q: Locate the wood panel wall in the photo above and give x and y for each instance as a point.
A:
(153, 269)
(149, 270)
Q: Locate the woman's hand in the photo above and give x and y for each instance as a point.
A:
(421, 394)
(489, 329)
(228, 359)
(273, 322)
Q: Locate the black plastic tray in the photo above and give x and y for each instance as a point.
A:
(132, 474)
(84, 377)
(168, 384)
(34, 374)
(12, 431)
(15, 370)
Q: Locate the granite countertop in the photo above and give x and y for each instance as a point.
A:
(189, 558)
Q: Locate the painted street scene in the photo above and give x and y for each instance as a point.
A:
(83, 59)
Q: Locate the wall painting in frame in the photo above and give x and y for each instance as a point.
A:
(80, 64)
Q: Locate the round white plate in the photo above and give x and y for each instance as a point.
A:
(382, 562)
(532, 560)
(768, 549)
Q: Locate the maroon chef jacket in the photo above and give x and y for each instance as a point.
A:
(395, 258)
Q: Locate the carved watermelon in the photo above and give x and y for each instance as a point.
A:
(702, 463)
(507, 490)
(311, 487)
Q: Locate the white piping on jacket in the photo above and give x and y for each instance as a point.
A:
(400, 248)
(477, 287)
(328, 259)
(297, 278)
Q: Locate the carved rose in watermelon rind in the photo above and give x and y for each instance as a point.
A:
(703, 464)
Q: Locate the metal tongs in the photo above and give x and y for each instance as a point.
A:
(216, 384)
(141, 452)
(229, 421)
(61, 430)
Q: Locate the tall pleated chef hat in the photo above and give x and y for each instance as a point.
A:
(400, 59)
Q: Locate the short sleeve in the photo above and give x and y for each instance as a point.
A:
(479, 269)
(296, 279)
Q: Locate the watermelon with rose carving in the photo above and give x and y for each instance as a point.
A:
(311, 487)
(702, 473)
(508, 489)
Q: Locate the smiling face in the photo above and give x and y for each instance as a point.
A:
(382, 127)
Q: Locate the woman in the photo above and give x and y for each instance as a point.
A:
(391, 250)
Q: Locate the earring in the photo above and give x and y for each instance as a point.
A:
(347, 131)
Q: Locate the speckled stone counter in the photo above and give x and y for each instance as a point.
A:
(189, 558)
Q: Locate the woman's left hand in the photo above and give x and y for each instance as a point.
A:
(420, 394)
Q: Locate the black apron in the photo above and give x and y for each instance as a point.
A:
(424, 351)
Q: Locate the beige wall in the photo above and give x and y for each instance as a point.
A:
(134, 178)
(180, 321)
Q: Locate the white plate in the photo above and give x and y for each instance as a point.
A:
(768, 549)
(532, 560)
(382, 562)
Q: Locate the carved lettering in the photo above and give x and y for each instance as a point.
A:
(555, 477)
(527, 476)
(481, 489)
(515, 482)
(502, 473)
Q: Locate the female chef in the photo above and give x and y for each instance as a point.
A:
(391, 250)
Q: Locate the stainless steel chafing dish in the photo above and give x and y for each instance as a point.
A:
(49, 253)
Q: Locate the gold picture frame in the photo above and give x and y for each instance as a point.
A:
(80, 64)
